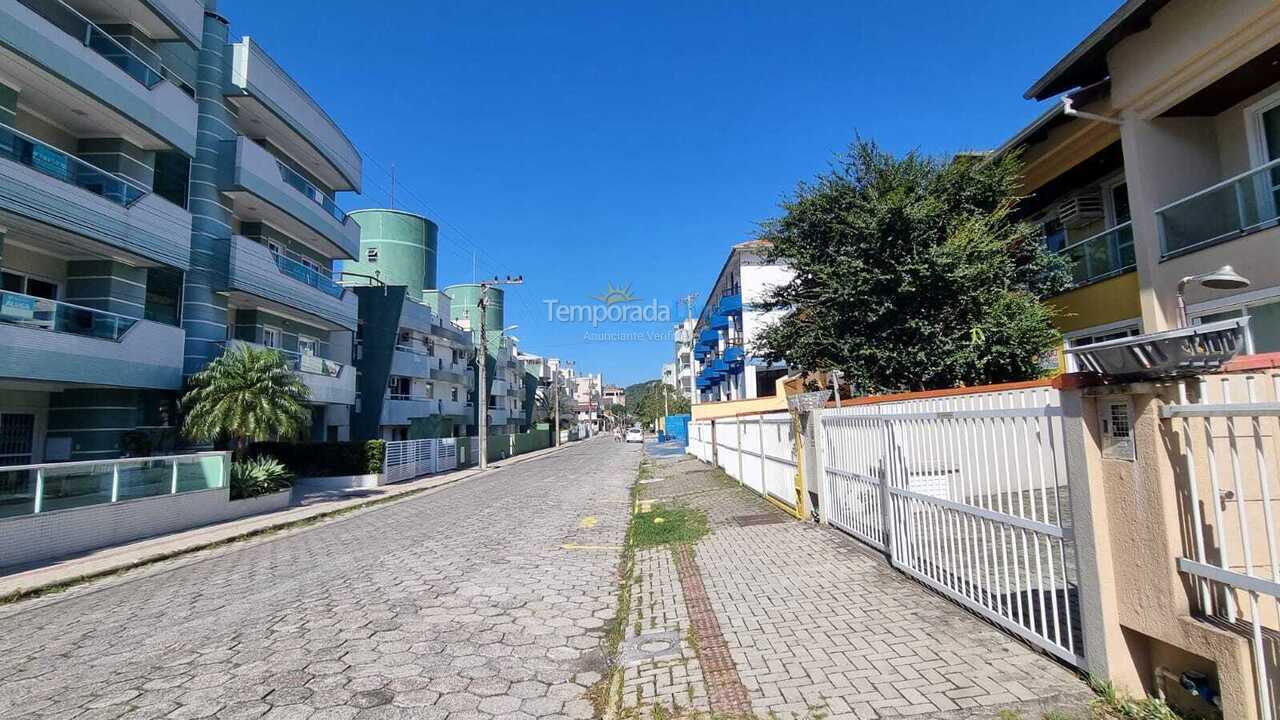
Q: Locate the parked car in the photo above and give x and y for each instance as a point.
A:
(635, 435)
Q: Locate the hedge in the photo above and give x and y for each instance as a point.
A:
(325, 459)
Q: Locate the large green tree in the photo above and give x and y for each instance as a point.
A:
(650, 400)
(911, 273)
(248, 394)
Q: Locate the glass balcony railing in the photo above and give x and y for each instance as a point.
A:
(30, 489)
(1108, 253)
(301, 362)
(306, 274)
(48, 160)
(302, 185)
(43, 314)
(66, 19)
(1233, 207)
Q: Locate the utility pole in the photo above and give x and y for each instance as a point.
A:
(482, 361)
(688, 303)
(555, 391)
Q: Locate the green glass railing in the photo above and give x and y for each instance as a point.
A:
(1108, 253)
(43, 314)
(45, 487)
(48, 160)
(66, 19)
(304, 273)
(1235, 206)
(302, 185)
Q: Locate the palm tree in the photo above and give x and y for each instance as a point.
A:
(246, 395)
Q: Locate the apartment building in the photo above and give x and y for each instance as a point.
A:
(127, 266)
(614, 395)
(682, 336)
(728, 324)
(416, 367)
(1158, 162)
(588, 390)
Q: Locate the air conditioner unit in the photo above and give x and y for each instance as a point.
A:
(1083, 208)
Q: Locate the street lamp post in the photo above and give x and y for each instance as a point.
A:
(1224, 278)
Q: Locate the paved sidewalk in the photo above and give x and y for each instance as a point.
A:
(815, 623)
(119, 557)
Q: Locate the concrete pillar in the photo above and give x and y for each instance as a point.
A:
(204, 311)
(1165, 159)
(8, 105)
(107, 285)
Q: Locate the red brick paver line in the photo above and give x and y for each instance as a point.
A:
(725, 691)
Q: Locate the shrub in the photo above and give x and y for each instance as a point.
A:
(324, 459)
(258, 476)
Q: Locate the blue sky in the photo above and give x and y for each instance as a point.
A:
(587, 143)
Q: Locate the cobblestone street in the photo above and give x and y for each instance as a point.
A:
(488, 598)
(814, 624)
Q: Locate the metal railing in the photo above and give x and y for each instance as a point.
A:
(26, 150)
(308, 275)
(1101, 256)
(1232, 519)
(45, 487)
(304, 186)
(300, 362)
(1219, 212)
(68, 20)
(54, 316)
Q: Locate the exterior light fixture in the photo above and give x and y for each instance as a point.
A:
(1224, 278)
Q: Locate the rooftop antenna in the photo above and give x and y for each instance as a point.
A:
(393, 186)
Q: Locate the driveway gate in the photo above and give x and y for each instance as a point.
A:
(967, 494)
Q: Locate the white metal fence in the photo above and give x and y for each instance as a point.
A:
(967, 494)
(408, 459)
(756, 450)
(1226, 430)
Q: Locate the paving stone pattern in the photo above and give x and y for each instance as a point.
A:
(815, 621)
(460, 603)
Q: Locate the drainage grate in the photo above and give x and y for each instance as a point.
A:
(765, 519)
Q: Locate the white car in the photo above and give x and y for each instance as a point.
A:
(635, 435)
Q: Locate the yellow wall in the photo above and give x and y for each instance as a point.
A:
(1111, 300)
(711, 411)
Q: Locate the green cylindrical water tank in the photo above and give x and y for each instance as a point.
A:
(464, 300)
(397, 247)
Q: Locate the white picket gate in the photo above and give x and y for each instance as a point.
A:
(1228, 431)
(967, 494)
(408, 459)
(756, 450)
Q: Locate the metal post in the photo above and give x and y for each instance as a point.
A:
(482, 392)
(115, 482)
(39, 504)
(555, 392)
(173, 484)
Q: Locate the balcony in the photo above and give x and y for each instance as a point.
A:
(184, 16)
(401, 409)
(46, 340)
(731, 304)
(48, 47)
(276, 283)
(276, 107)
(263, 189)
(1234, 207)
(1107, 254)
(87, 206)
(413, 362)
(330, 382)
(709, 338)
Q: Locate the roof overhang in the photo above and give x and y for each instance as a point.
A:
(1087, 62)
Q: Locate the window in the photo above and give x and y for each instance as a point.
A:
(1055, 235)
(270, 336)
(308, 346)
(453, 394)
(275, 247)
(1118, 204)
(28, 285)
(1264, 323)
